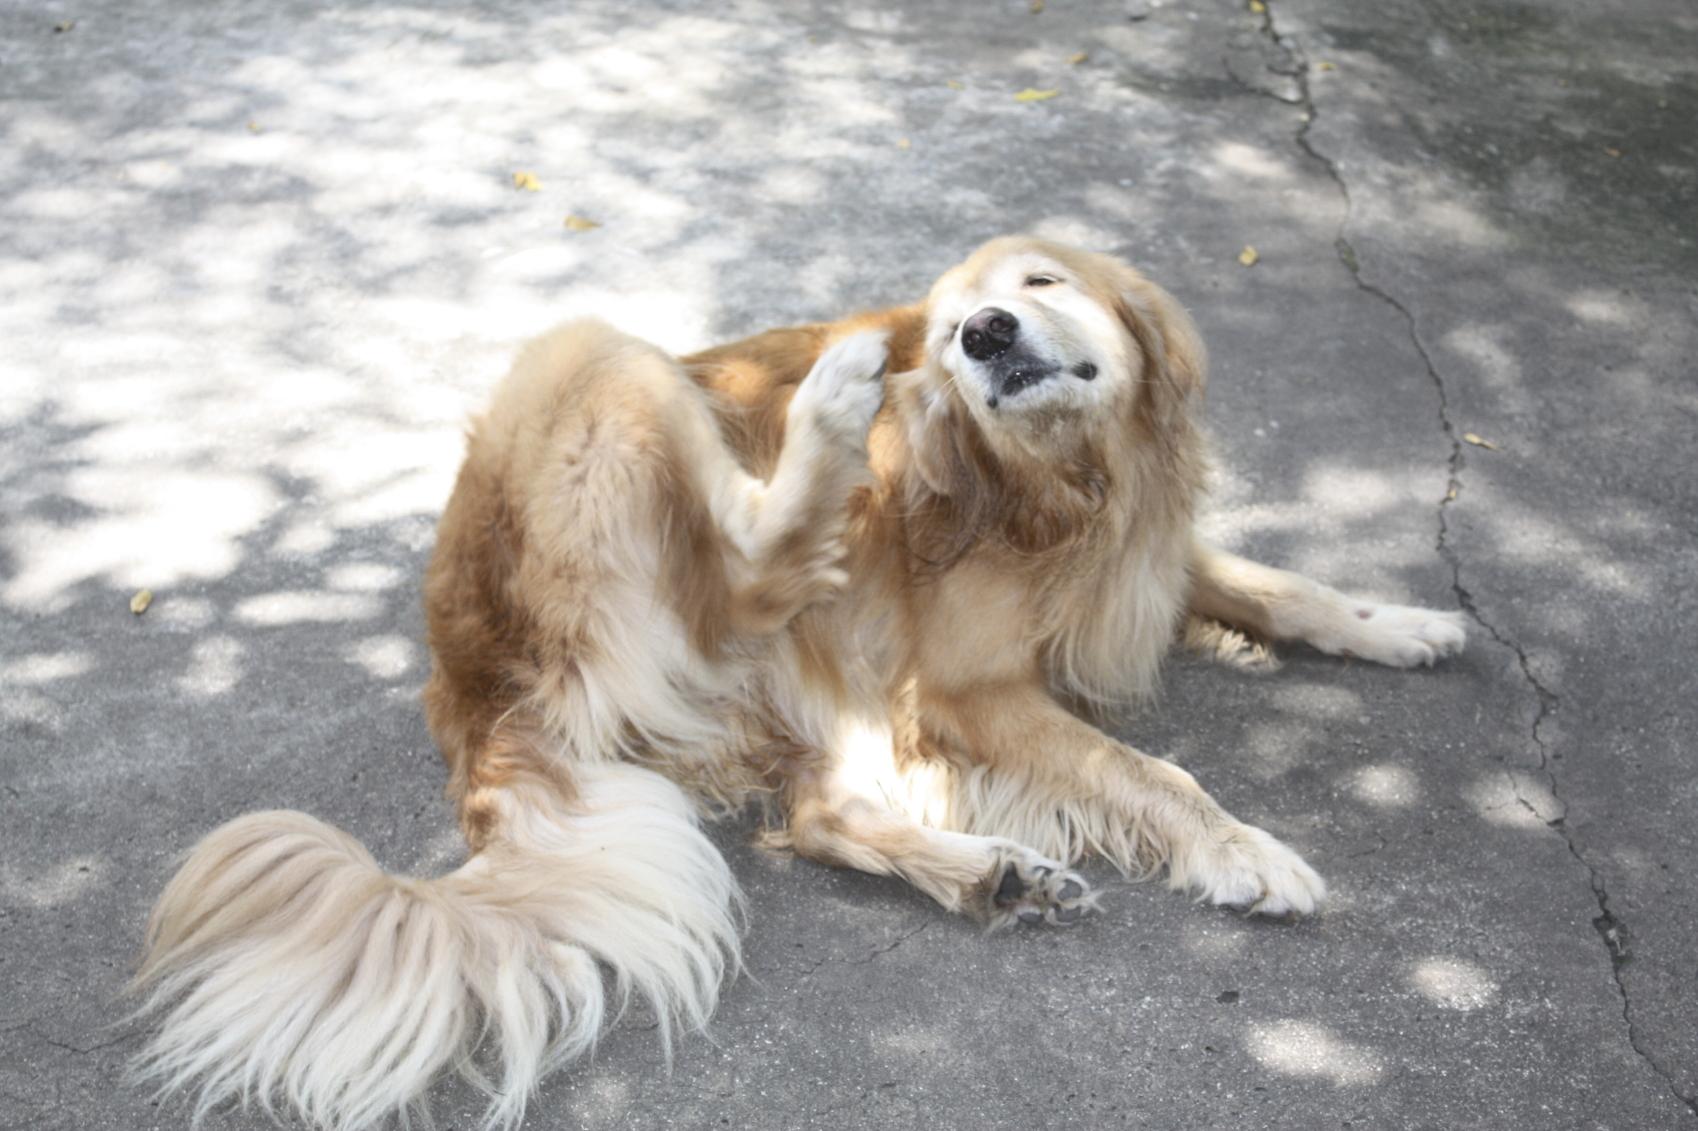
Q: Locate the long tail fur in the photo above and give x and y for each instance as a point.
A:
(289, 969)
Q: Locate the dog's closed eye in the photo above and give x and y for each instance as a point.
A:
(1041, 280)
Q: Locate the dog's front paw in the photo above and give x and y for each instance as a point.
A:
(1025, 887)
(1246, 868)
(1400, 636)
(843, 391)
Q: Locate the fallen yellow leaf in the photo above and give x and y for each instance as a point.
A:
(1075, 60)
(952, 84)
(1479, 441)
(581, 224)
(1325, 66)
(140, 602)
(1249, 256)
(904, 143)
(1037, 6)
(1612, 151)
(1450, 494)
(1258, 7)
(253, 127)
(1030, 95)
(527, 181)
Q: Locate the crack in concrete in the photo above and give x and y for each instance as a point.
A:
(1379, 836)
(898, 941)
(1251, 88)
(1611, 930)
(84, 1051)
(871, 955)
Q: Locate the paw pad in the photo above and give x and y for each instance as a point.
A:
(1026, 888)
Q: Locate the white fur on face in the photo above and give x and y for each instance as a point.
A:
(1062, 327)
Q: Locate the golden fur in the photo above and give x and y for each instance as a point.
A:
(854, 569)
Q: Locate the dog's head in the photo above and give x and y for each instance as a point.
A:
(1052, 355)
(1035, 331)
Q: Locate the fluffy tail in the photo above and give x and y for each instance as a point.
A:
(289, 969)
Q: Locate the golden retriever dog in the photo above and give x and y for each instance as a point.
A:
(887, 604)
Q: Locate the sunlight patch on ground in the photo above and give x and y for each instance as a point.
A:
(1247, 160)
(45, 667)
(1215, 938)
(1453, 984)
(297, 607)
(1351, 491)
(53, 888)
(1386, 786)
(149, 527)
(1316, 700)
(365, 577)
(1609, 307)
(31, 708)
(1074, 230)
(180, 612)
(1461, 223)
(1278, 747)
(215, 667)
(1485, 347)
(384, 657)
(1308, 1049)
(1513, 799)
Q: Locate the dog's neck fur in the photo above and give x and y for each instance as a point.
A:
(1079, 518)
(1055, 496)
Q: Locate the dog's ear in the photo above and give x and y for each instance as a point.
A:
(926, 414)
(953, 494)
(1174, 362)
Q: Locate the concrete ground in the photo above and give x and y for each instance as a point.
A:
(259, 260)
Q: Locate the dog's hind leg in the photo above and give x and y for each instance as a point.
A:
(789, 529)
(1276, 604)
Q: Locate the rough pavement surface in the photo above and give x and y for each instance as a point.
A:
(259, 260)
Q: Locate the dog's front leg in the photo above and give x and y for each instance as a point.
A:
(1029, 767)
(848, 807)
(1276, 604)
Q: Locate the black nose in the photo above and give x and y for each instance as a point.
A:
(989, 332)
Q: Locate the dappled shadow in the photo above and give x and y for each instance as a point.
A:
(261, 263)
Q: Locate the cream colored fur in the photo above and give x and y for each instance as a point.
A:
(290, 969)
(876, 602)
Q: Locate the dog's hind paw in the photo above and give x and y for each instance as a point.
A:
(1025, 887)
(843, 391)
